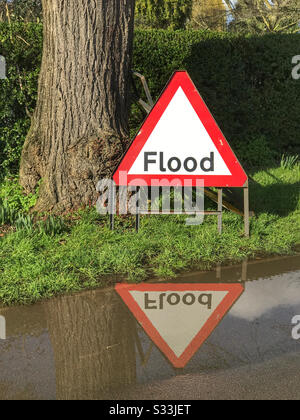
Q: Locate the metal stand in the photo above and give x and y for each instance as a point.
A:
(144, 356)
(244, 273)
(246, 209)
(244, 270)
(218, 213)
(219, 271)
(220, 210)
(137, 216)
(219, 199)
(112, 209)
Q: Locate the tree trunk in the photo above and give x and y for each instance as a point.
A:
(79, 129)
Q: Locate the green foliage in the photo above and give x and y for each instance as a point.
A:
(12, 194)
(288, 162)
(21, 45)
(256, 152)
(26, 10)
(164, 14)
(208, 14)
(276, 191)
(52, 226)
(24, 223)
(245, 81)
(261, 16)
(15, 206)
(7, 214)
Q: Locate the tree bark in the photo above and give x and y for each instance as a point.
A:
(79, 129)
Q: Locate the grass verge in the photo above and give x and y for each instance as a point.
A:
(37, 264)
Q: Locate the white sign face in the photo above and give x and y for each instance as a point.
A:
(179, 145)
(178, 316)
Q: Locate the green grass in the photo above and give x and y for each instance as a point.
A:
(39, 263)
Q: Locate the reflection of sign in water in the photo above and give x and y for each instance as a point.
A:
(179, 317)
(2, 328)
(2, 67)
(180, 141)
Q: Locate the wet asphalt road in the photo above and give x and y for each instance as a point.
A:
(276, 379)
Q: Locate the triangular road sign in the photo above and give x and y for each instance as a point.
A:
(179, 317)
(180, 140)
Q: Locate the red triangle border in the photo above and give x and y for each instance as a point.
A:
(181, 79)
(235, 290)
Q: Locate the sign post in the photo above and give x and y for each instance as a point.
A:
(246, 209)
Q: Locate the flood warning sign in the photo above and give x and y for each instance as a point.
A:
(180, 140)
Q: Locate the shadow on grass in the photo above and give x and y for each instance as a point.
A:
(281, 198)
(278, 197)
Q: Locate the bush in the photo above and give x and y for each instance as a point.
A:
(166, 14)
(11, 195)
(245, 81)
(256, 153)
(21, 45)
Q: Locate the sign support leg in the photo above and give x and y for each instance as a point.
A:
(244, 269)
(219, 271)
(220, 209)
(246, 210)
(137, 216)
(111, 208)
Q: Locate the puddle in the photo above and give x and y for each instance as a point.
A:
(89, 346)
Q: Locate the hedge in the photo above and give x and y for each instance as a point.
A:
(245, 80)
(167, 14)
(21, 45)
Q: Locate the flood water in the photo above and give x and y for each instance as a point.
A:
(88, 345)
